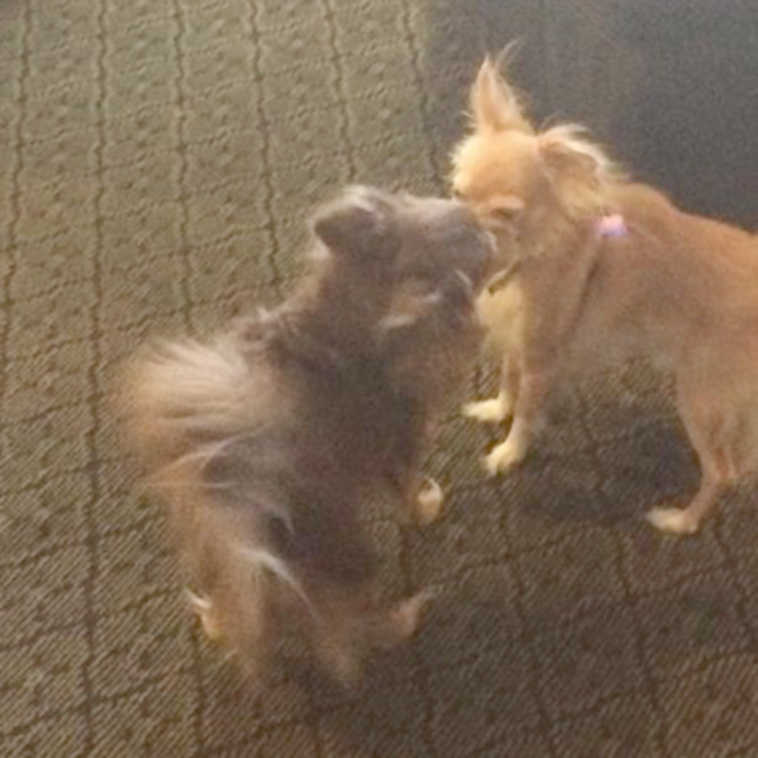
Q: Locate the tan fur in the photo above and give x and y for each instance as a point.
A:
(678, 288)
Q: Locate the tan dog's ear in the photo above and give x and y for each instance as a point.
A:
(358, 224)
(494, 104)
(577, 168)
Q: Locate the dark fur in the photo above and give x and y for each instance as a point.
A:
(268, 441)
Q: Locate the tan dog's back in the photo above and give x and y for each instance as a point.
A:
(673, 281)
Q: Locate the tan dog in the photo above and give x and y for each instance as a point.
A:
(601, 268)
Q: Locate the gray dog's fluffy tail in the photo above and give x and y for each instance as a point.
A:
(186, 403)
(180, 397)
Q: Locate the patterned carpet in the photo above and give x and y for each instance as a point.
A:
(157, 159)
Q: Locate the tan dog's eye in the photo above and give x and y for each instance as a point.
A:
(506, 208)
(504, 214)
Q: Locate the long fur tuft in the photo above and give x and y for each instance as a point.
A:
(493, 102)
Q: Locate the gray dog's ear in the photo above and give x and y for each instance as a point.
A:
(359, 223)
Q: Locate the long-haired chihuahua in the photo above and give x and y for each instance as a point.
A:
(598, 268)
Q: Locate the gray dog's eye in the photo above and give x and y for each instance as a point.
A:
(418, 286)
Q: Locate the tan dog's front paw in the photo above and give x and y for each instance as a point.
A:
(504, 456)
(429, 502)
(672, 520)
(492, 411)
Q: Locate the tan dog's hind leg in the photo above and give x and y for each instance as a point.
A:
(710, 436)
(687, 520)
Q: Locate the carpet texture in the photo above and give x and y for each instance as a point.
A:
(157, 160)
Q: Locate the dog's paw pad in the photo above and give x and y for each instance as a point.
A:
(487, 411)
(429, 502)
(672, 520)
(504, 456)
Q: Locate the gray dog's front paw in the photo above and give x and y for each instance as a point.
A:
(429, 502)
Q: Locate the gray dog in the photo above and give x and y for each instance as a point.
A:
(269, 440)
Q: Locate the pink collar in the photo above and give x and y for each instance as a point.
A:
(612, 225)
